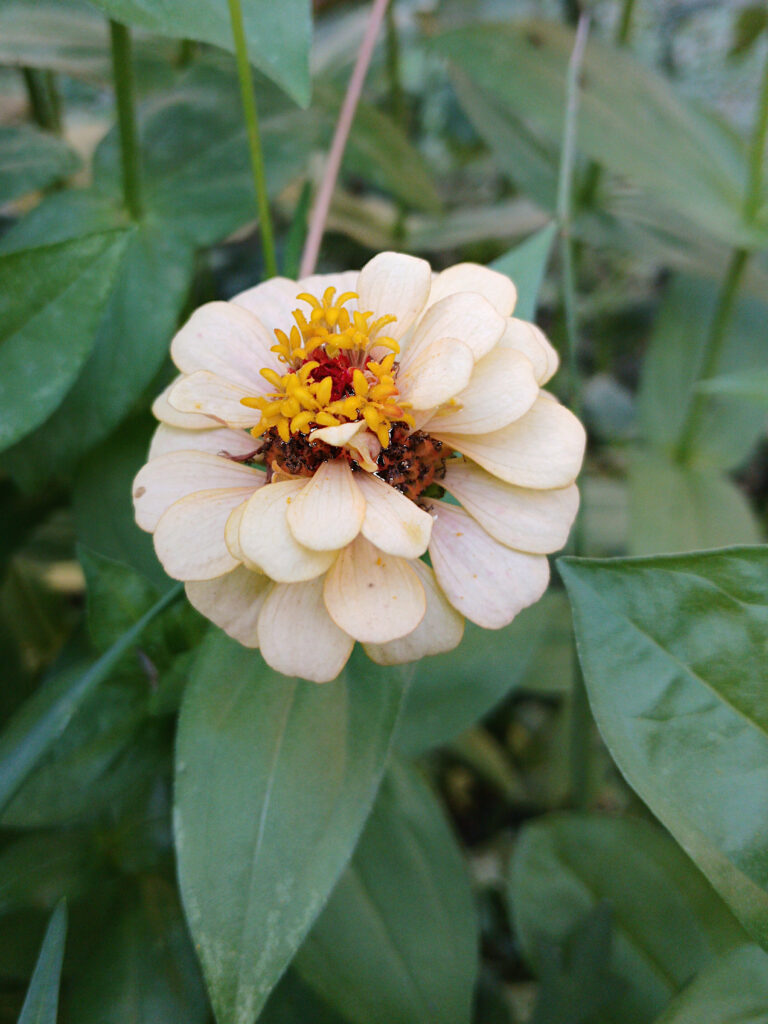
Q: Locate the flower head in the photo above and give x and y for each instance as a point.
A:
(326, 434)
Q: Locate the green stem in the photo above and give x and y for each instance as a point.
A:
(757, 153)
(43, 98)
(396, 103)
(254, 138)
(125, 96)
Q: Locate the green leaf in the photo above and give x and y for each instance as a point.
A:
(751, 385)
(42, 1003)
(44, 717)
(673, 150)
(398, 939)
(144, 969)
(274, 779)
(51, 300)
(668, 922)
(30, 159)
(293, 1002)
(278, 35)
(40, 868)
(684, 508)
(526, 265)
(748, 26)
(673, 652)
(732, 991)
(116, 596)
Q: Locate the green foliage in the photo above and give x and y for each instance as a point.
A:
(29, 160)
(42, 1002)
(731, 991)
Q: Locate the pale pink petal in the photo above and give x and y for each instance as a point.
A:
(337, 436)
(272, 301)
(207, 393)
(164, 480)
(471, 277)
(328, 512)
(227, 340)
(502, 388)
(527, 338)
(232, 538)
(189, 539)
(440, 630)
(266, 540)
(439, 371)
(542, 449)
(394, 284)
(372, 596)
(232, 602)
(466, 316)
(484, 580)
(220, 440)
(393, 523)
(163, 410)
(298, 637)
(365, 448)
(535, 521)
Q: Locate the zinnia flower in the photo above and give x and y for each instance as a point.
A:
(325, 434)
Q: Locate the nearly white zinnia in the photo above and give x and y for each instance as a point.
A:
(294, 480)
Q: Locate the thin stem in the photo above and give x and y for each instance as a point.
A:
(757, 152)
(125, 95)
(254, 138)
(42, 98)
(396, 96)
(322, 203)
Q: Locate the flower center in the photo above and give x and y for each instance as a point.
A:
(332, 377)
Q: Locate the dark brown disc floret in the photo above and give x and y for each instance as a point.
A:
(412, 461)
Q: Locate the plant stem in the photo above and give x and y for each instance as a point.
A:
(322, 203)
(125, 95)
(396, 104)
(43, 98)
(254, 138)
(757, 152)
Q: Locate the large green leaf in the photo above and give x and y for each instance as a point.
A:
(30, 159)
(278, 34)
(526, 264)
(668, 922)
(630, 120)
(397, 942)
(41, 1005)
(751, 385)
(42, 867)
(51, 300)
(734, 990)
(274, 780)
(673, 652)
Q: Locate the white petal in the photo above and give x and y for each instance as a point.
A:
(316, 284)
(232, 602)
(484, 580)
(232, 538)
(365, 448)
(189, 539)
(466, 316)
(164, 480)
(272, 301)
(373, 596)
(527, 338)
(163, 410)
(298, 637)
(337, 436)
(392, 283)
(328, 512)
(542, 449)
(438, 372)
(440, 630)
(207, 393)
(535, 521)
(471, 277)
(227, 340)
(266, 540)
(393, 523)
(502, 388)
(217, 441)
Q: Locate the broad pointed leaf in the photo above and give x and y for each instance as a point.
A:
(42, 1002)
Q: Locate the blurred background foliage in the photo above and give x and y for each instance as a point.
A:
(454, 156)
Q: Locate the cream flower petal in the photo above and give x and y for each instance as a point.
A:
(227, 340)
(272, 301)
(316, 284)
(438, 372)
(174, 439)
(207, 393)
(337, 436)
(232, 538)
(466, 316)
(471, 277)
(164, 480)
(484, 580)
(163, 410)
(392, 283)
(502, 389)
(534, 521)
(365, 448)
(373, 596)
(440, 630)
(266, 540)
(189, 539)
(521, 336)
(298, 637)
(393, 523)
(542, 449)
(232, 602)
(328, 512)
